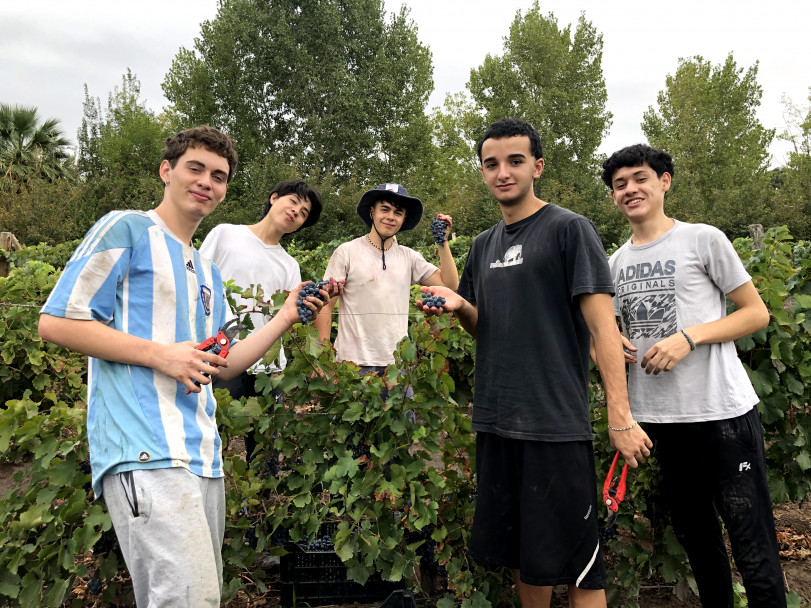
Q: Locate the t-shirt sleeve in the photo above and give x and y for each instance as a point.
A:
(613, 261)
(421, 269)
(585, 259)
(723, 264)
(338, 265)
(86, 290)
(295, 276)
(211, 245)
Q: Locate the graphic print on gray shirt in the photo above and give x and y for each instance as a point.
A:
(648, 295)
(675, 282)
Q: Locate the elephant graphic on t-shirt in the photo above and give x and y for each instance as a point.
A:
(512, 257)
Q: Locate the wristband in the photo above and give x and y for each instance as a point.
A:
(627, 428)
(689, 340)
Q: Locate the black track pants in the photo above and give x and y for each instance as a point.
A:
(718, 468)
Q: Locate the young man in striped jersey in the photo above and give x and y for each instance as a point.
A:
(138, 298)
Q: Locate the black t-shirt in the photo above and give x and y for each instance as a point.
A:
(532, 342)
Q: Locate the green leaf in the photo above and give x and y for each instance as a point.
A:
(34, 517)
(57, 593)
(445, 602)
(794, 385)
(804, 460)
(9, 584)
(358, 572)
(409, 352)
(61, 474)
(354, 411)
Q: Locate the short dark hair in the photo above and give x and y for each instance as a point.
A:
(512, 127)
(303, 190)
(636, 156)
(202, 137)
(390, 201)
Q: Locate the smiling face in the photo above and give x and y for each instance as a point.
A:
(289, 212)
(639, 193)
(195, 185)
(509, 169)
(387, 218)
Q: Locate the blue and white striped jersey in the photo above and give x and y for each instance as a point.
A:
(131, 273)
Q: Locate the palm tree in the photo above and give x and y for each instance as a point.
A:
(29, 150)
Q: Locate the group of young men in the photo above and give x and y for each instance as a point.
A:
(538, 294)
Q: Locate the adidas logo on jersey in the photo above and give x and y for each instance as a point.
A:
(190, 267)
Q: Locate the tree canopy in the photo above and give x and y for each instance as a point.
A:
(706, 120)
(332, 87)
(30, 149)
(551, 77)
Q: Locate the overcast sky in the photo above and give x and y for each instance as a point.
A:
(49, 49)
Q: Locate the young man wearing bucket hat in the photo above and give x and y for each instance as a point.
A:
(378, 274)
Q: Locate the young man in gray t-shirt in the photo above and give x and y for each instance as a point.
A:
(686, 382)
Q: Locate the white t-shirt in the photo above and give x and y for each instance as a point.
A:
(677, 281)
(244, 258)
(373, 313)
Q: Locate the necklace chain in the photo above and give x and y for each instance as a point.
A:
(376, 246)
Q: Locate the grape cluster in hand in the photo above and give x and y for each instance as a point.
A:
(438, 228)
(432, 301)
(607, 533)
(309, 289)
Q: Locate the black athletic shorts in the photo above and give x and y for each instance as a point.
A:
(537, 510)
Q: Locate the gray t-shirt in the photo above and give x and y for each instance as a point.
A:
(677, 281)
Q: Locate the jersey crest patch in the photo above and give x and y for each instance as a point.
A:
(205, 298)
(513, 257)
(144, 456)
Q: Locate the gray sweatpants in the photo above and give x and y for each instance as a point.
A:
(170, 525)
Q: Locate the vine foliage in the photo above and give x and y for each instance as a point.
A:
(392, 471)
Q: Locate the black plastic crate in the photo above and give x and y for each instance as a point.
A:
(318, 578)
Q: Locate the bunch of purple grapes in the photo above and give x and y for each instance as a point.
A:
(438, 228)
(95, 586)
(429, 301)
(309, 289)
(607, 533)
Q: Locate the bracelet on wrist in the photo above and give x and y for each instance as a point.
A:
(627, 428)
(689, 340)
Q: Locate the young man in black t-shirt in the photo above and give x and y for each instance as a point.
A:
(535, 289)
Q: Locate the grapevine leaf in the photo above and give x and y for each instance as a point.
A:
(804, 461)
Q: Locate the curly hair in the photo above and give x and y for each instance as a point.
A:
(202, 137)
(636, 156)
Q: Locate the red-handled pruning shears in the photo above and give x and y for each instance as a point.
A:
(220, 343)
(612, 497)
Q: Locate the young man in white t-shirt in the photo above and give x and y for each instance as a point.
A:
(378, 274)
(689, 386)
(252, 255)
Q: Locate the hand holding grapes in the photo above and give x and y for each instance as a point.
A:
(441, 228)
(436, 300)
